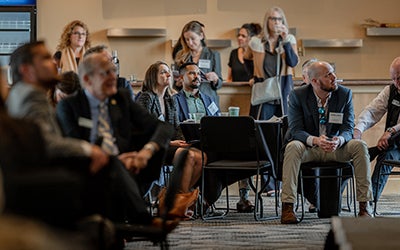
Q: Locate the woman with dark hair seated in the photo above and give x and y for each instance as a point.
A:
(156, 97)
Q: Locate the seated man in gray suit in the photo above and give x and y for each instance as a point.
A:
(190, 100)
(321, 122)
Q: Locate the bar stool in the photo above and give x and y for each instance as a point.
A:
(329, 170)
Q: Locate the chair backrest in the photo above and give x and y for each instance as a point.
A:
(228, 135)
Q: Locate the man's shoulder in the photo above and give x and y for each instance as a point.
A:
(21, 90)
(180, 95)
(342, 90)
(122, 94)
(302, 90)
(22, 98)
(74, 99)
(205, 96)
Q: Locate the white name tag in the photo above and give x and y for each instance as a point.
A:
(85, 122)
(336, 118)
(205, 64)
(396, 103)
(213, 108)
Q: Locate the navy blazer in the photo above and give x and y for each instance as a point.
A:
(183, 108)
(133, 126)
(303, 116)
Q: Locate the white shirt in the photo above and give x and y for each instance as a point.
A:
(374, 111)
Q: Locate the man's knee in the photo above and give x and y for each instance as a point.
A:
(295, 147)
(357, 145)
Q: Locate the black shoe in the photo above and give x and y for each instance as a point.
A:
(210, 211)
(244, 206)
(312, 208)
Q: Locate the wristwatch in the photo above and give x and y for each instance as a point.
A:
(391, 130)
(150, 147)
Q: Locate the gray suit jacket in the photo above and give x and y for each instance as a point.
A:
(303, 114)
(27, 102)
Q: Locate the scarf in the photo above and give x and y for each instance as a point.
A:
(68, 60)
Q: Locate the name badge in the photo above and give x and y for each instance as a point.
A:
(336, 118)
(213, 108)
(85, 122)
(396, 103)
(205, 64)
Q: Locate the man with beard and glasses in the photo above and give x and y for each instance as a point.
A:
(321, 122)
(190, 100)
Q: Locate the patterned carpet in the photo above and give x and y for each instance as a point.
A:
(241, 231)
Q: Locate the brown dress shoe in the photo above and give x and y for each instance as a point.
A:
(364, 210)
(288, 215)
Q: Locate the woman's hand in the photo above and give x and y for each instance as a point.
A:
(282, 30)
(251, 82)
(179, 143)
(212, 77)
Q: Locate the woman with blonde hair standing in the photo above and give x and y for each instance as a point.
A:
(74, 42)
(274, 41)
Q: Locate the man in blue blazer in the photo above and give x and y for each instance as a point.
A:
(321, 121)
(190, 99)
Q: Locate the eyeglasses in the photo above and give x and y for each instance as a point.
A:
(104, 73)
(78, 34)
(322, 117)
(272, 18)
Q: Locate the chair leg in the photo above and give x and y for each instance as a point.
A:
(276, 197)
(302, 196)
(377, 189)
(354, 196)
(259, 206)
(348, 197)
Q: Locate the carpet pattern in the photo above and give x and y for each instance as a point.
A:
(241, 231)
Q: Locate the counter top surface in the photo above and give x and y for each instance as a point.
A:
(348, 82)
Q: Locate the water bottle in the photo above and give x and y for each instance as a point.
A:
(115, 60)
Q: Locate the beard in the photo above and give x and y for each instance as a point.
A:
(327, 88)
(49, 83)
(193, 84)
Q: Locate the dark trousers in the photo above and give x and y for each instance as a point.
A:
(115, 194)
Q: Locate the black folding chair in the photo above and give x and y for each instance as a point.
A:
(391, 163)
(234, 145)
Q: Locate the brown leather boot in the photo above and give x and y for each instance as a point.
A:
(364, 210)
(288, 215)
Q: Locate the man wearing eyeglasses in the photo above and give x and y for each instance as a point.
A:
(387, 102)
(321, 121)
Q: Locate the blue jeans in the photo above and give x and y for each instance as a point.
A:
(392, 154)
